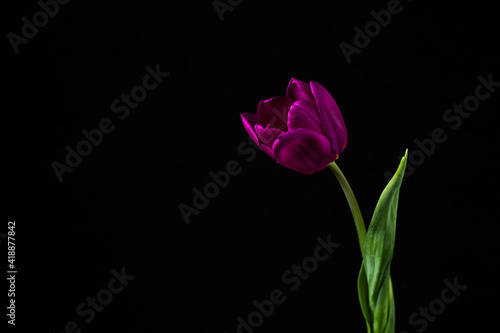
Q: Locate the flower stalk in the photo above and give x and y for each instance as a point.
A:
(353, 205)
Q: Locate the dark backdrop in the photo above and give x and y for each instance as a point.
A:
(118, 210)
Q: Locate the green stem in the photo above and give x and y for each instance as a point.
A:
(353, 204)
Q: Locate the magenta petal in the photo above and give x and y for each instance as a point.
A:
(304, 114)
(331, 117)
(249, 121)
(274, 111)
(267, 135)
(267, 150)
(304, 151)
(299, 90)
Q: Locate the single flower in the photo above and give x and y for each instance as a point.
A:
(303, 131)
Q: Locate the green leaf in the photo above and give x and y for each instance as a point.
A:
(363, 298)
(374, 281)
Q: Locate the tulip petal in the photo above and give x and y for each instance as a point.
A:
(299, 90)
(304, 114)
(267, 150)
(304, 151)
(267, 135)
(331, 117)
(274, 111)
(249, 121)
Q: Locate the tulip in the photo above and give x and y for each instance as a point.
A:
(303, 131)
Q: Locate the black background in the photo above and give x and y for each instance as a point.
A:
(119, 207)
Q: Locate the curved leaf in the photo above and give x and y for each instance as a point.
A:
(374, 281)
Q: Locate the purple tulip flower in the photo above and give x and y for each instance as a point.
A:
(303, 131)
